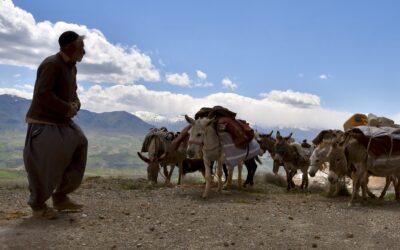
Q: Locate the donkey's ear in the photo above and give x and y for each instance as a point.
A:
(270, 134)
(212, 121)
(189, 120)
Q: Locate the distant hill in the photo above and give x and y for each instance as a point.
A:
(13, 110)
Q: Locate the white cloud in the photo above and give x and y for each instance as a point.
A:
(178, 79)
(227, 83)
(201, 75)
(297, 99)
(201, 81)
(325, 76)
(204, 84)
(25, 42)
(17, 75)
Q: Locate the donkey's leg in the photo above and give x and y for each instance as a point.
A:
(180, 167)
(275, 168)
(337, 188)
(306, 173)
(304, 178)
(229, 182)
(396, 184)
(356, 187)
(364, 186)
(207, 164)
(240, 168)
(291, 173)
(171, 170)
(165, 171)
(387, 184)
(219, 173)
(289, 179)
(225, 172)
(370, 194)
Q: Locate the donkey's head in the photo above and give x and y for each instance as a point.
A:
(324, 140)
(197, 136)
(337, 162)
(283, 150)
(267, 143)
(154, 158)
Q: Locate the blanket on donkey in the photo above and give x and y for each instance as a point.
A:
(381, 140)
(233, 154)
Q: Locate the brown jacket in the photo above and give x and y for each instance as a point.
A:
(55, 88)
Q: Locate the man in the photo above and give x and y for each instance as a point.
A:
(55, 147)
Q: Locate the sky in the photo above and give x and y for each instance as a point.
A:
(306, 64)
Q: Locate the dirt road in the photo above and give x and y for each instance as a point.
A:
(128, 214)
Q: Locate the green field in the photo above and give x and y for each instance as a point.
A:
(106, 151)
(108, 155)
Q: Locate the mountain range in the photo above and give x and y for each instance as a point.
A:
(13, 110)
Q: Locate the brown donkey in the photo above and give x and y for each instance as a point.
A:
(294, 157)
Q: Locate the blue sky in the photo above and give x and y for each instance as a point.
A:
(304, 64)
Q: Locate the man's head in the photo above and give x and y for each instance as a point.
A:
(72, 45)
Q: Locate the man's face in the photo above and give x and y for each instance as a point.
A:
(79, 51)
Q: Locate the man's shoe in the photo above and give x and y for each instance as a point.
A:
(46, 213)
(66, 204)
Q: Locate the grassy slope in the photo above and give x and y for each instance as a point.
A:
(105, 150)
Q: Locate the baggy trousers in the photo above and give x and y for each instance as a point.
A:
(55, 160)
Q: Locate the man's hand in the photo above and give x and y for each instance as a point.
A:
(73, 110)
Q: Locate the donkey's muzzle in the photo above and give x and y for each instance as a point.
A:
(190, 153)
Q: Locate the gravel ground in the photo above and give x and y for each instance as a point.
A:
(123, 213)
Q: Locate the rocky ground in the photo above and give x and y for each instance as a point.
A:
(127, 213)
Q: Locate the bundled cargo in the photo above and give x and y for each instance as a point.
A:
(381, 121)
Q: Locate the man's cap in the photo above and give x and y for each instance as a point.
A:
(67, 37)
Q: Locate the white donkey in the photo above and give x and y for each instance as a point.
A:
(204, 144)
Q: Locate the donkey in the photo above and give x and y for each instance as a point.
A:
(319, 158)
(204, 144)
(322, 155)
(267, 143)
(294, 157)
(160, 153)
(352, 157)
